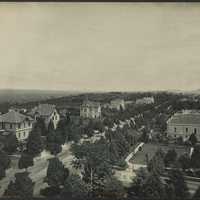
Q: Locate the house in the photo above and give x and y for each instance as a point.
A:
(47, 112)
(117, 104)
(90, 109)
(145, 100)
(16, 123)
(183, 124)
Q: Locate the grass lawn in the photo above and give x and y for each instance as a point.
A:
(150, 149)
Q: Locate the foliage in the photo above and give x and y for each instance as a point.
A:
(75, 187)
(56, 173)
(196, 194)
(156, 164)
(195, 162)
(93, 160)
(184, 161)
(10, 144)
(170, 157)
(22, 187)
(4, 163)
(180, 188)
(25, 161)
(193, 139)
(34, 143)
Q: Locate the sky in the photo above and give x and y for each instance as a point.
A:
(99, 46)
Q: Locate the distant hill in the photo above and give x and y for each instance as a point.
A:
(23, 96)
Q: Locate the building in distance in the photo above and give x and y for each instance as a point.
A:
(145, 100)
(16, 123)
(48, 112)
(117, 104)
(90, 109)
(183, 124)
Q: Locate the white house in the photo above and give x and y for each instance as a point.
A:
(47, 112)
(17, 123)
(90, 109)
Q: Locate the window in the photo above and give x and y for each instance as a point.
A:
(3, 125)
(10, 126)
(19, 125)
(175, 129)
(19, 135)
(186, 130)
(195, 130)
(24, 134)
(29, 123)
(55, 117)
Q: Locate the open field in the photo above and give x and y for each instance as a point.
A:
(150, 149)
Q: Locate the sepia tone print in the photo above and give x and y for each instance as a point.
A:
(100, 100)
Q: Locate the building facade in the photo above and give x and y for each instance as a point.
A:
(16, 123)
(90, 109)
(117, 104)
(47, 112)
(145, 100)
(183, 124)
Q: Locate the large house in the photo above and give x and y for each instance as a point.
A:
(184, 124)
(90, 109)
(145, 100)
(16, 123)
(47, 112)
(117, 104)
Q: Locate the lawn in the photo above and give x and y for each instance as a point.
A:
(150, 149)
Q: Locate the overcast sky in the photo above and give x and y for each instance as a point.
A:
(68, 46)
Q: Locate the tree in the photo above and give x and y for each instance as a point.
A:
(74, 187)
(176, 178)
(41, 125)
(10, 144)
(193, 139)
(156, 164)
(153, 188)
(56, 173)
(170, 157)
(22, 187)
(196, 195)
(93, 160)
(34, 143)
(184, 161)
(25, 161)
(112, 188)
(4, 163)
(195, 162)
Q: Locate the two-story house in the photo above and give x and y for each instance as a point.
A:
(16, 123)
(48, 112)
(90, 109)
(117, 104)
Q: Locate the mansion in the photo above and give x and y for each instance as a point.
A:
(90, 109)
(16, 123)
(184, 124)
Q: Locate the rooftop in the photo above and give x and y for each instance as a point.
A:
(14, 117)
(43, 109)
(185, 117)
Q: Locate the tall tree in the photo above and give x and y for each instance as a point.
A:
(156, 164)
(170, 157)
(56, 173)
(195, 162)
(4, 163)
(25, 161)
(34, 143)
(22, 187)
(94, 162)
(180, 188)
(74, 187)
(196, 195)
(11, 144)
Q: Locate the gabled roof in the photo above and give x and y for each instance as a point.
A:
(185, 118)
(14, 117)
(43, 110)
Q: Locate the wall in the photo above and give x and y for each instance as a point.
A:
(181, 130)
